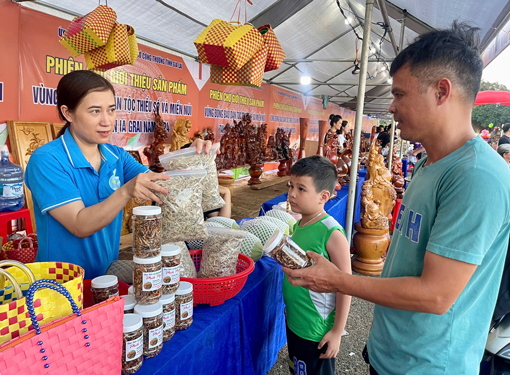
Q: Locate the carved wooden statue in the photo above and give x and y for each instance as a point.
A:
(253, 153)
(180, 137)
(210, 134)
(271, 153)
(261, 139)
(198, 135)
(157, 147)
(331, 147)
(397, 176)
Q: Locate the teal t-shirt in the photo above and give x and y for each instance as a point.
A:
(459, 208)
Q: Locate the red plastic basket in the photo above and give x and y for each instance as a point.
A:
(216, 291)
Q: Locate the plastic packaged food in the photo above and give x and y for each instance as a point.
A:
(129, 304)
(171, 262)
(184, 306)
(262, 229)
(286, 252)
(284, 227)
(252, 247)
(146, 231)
(168, 303)
(104, 287)
(189, 159)
(182, 215)
(132, 345)
(283, 216)
(224, 221)
(147, 279)
(152, 328)
(188, 268)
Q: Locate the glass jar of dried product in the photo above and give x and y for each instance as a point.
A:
(152, 328)
(147, 278)
(183, 306)
(132, 345)
(129, 304)
(104, 287)
(286, 252)
(168, 303)
(171, 262)
(146, 231)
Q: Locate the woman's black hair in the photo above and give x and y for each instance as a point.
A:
(74, 86)
(333, 119)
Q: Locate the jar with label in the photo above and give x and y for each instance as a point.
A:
(147, 278)
(129, 304)
(286, 252)
(146, 231)
(132, 345)
(152, 328)
(168, 303)
(183, 306)
(104, 287)
(171, 261)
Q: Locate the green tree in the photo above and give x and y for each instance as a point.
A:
(483, 115)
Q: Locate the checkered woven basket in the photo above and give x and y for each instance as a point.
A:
(49, 305)
(23, 250)
(275, 54)
(249, 75)
(90, 31)
(227, 45)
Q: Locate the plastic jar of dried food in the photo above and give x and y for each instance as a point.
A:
(131, 290)
(171, 262)
(152, 328)
(286, 252)
(132, 346)
(104, 287)
(147, 278)
(129, 304)
(183, 306)
(146, 231)
(168, 303)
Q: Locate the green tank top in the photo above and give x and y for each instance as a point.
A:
(311, 315)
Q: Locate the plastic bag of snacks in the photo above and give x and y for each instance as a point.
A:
(280, 224)
(224, 221)
(199, 244)
(181, 211)
(263, 230)
(252, 247)
(189, 159)
(187, 265)
(220, 253)
(283, 216)
(286, 252)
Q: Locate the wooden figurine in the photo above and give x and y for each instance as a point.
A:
(210, 134)
(157, 147)
(198, 135)
(331, 147)
(180, 137)
(271, 153)
(397, 177)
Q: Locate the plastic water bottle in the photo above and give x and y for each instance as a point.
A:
(11, 183)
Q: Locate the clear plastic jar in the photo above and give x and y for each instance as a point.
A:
(132, 345)
(147, 278)
(129, 304)
(152, 328)
(146, 231)
(171, 262)
(184, 306)
(104, 287)
(131, 290)
(286, 252)
(168, 303)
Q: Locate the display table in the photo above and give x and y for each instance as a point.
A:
(242, 336)
(336, 207)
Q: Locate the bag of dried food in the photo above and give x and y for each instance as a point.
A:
(199, 244)
(182, 217)
(220, 252)
(187, 159)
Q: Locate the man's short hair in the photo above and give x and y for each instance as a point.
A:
(321, 170)
(506, 127)
(503, 149)
(448, 53)
(380, 128)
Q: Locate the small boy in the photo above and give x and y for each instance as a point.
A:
(314, 328)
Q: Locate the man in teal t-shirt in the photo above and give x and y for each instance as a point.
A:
(438, 289)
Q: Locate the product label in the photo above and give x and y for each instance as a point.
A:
(171, 275)
(186, 310)
(134, 349)
(169, 320)
(12, 190)
(155, 337)
(152, 280)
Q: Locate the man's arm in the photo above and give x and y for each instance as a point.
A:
(434, 292)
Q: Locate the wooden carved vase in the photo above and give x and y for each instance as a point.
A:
(370, 245)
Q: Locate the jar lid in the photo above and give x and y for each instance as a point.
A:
(129, 302)
(149, 311)
(147, 210)
(150, 260)
(184, 288)
(167, 298)
(273, 241)
(131, 291)
(132, 322)
(168, 250)
(105, 281)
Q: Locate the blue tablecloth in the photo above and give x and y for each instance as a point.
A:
(242, 336)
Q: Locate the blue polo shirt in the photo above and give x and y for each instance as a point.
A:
(57, 174)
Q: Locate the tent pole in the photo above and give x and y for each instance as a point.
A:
(359, 118)
(401, 44)
(392, 141)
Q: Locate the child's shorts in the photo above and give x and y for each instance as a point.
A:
(304, 357)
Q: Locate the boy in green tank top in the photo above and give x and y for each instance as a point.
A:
(315, 321)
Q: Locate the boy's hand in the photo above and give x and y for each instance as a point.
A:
(333, 339)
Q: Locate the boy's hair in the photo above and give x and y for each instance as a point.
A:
(506, 128)
(321, 170)
(448, 53)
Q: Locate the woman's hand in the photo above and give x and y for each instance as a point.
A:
(200, 144)
(140, 187)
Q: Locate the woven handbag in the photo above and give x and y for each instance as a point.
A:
(23, 250)
(86, 342)
(90, 31)
(275, 54)
(49, 305)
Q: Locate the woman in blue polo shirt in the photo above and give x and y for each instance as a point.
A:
(80, 183)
